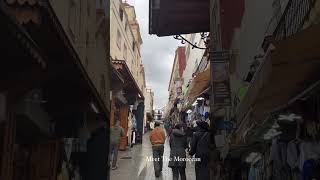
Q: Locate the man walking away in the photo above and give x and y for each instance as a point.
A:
(178, 144)
(200, 147)
(116, 133)
(189, 134)
(157, 139)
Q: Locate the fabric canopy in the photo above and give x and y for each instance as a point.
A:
(199, 84)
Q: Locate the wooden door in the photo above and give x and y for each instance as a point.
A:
(124, 112)
(44, 161)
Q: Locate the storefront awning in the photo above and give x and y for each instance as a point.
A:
(65, 79)
(130, 86)
(117, 80)
(199, 85)
(22, 58)
(172, 17)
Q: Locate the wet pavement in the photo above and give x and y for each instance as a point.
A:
(133, 164)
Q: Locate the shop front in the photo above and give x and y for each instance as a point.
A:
(46, 97)
(286, 145)
(128, 95)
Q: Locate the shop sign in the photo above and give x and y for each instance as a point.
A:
(220, 78)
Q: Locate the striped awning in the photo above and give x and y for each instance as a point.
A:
(199, 85)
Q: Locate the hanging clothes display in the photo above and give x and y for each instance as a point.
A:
(308, 151)
(129, 132)
(293, 154)
(278, 156)
(63, 174)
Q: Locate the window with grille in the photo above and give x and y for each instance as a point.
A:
(121, 13)
(126, 27)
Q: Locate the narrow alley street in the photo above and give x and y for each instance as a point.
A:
(133, 164)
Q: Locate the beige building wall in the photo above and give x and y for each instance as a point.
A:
(148, 103)
(149, 99)
(125, 39)
(85, 31)
(172, 85)
(193, 58)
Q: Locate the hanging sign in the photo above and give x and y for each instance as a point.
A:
(220, 78)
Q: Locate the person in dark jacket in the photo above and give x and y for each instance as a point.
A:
(189, 134)
(178, 144)
(200, 148)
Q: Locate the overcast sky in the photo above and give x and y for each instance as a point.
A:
(157, 55)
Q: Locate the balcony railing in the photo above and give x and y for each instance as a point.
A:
(291, 22)
(292, 19)
(258, 81)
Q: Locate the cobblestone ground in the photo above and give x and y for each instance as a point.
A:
(133, 165)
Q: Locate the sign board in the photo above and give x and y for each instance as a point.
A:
(220, 78)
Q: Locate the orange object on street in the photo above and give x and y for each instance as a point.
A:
(157, 136)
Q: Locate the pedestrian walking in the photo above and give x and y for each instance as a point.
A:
(152, 125)
(178, 145)
(189, 134)
(133, 137)
(157, 139)
(116, 132)
(200, 148)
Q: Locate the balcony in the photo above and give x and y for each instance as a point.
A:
(292, 20)
(290, 65)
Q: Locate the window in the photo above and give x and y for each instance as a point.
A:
(121, 13)
(125, 51)
(72, 18)
(88, 8)
(87, 38)
(119, 39)
(276, 5)
(126, 27)
(79, 17)
(99, 3)
(87, 63)
(103, 87)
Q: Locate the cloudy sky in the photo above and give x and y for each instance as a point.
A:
(157, 54)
